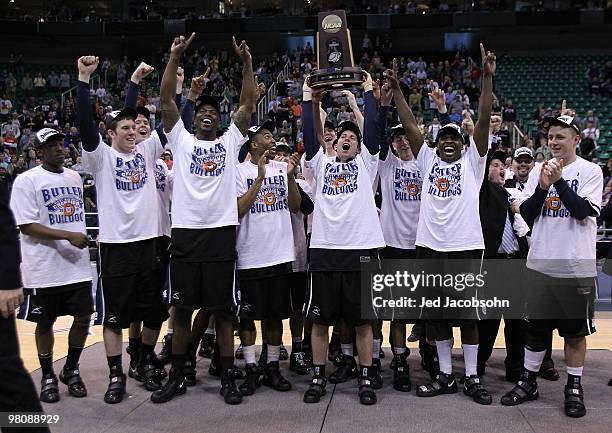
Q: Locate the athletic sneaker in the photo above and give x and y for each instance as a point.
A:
(165, 356)
(274, 379)
(297, 363)
(401, 373)
(316, 390)
(347, 370)
(574, 401)
(367, 395)
(524, 390)
(376, 374)
(415, 333)
(283, 354)
(472, 387)
(207, 346)
(174, 386)
(335, 350)
(252, 380)
(49, 389)
(442, 384)
(228, 390)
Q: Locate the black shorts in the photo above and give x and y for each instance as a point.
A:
(47, 304)
(450, 263)
(265, 293)
(298, 282)
(333, 296)
(393, 253)
(128, 282)
(565, 304)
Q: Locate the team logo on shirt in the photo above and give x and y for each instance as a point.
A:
(208, 162)
(340, 178)
(132, 174)
(553, 206)
(160, 176)
(64, 204)
(445, 181)
(272, 195)
(407, 185)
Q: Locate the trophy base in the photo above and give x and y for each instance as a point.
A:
(336, 79)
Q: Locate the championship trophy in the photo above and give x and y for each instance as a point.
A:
(335, 54)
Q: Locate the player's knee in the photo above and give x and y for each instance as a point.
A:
(82, 321)
(44, 327)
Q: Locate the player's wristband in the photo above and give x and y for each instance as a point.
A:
(307, 95)
(368, 87)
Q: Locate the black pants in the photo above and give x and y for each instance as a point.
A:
(515, 345)
(17, 391)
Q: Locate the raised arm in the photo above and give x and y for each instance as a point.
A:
(370, 132)
(90, 137)
(485, 103)
(196, 89)
(170, 112)
(355, 108)
(386, 95)
(311, 144)
(403, 110)
(248, 93)
(438, 97)
(131, 96)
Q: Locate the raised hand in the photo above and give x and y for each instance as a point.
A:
(488, 61)
(292, 162)
(391, 76)
(468, 125)
(198, 83)
(551, 172)
(368, 83)
(386, 95)
(439, 98)
(87, 66)
(141, 72)
(350, 96)
(567, 111)
(180, 44)
(495, 124)
(242, 50)
(261, 164)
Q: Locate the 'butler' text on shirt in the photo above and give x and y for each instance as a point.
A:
(272, 195)
(340, 178)
(131, 175)
(445, 181)
(209, 162)
(407, 185)
(65, 204)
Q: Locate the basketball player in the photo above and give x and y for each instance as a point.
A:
(564, 199)
(449, 223)
(48, 205)
(202, 262)
(128, 215)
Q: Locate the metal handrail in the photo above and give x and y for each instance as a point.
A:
(262, 105)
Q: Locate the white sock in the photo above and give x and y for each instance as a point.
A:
(444, 355)
(347, 349)
(273, 353)
(210, 331)
(470, 357)
(249, 354)
(170, 331)
(375, 349)
(400, 350)
(575, 371)
(533, 360)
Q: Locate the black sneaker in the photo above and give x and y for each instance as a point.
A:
(207, 346)
(274, 379)
(165, 356)
(49, 389)
(472, 387)
(175, 385)
(116, 389)
(415, 333)
(133, 371)
(297, 363)
(71, 377)
(347, 370)
(376, 374)
(524, 390)
(190, 371)
(367, 395)
(442, 384)
(574, 401)
(147, 373)
(229, 390)
(283, 354)
(549, 373)
(252, 380)
(401, 373)
(316, 390)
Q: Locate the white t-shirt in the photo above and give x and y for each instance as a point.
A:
(126, 193)
(163, 182)
(345, 216)
(264, 236)
(450, 218)
(401, 183)
(562, 246)
(300, 264)
(54, 200)
(204, 193)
